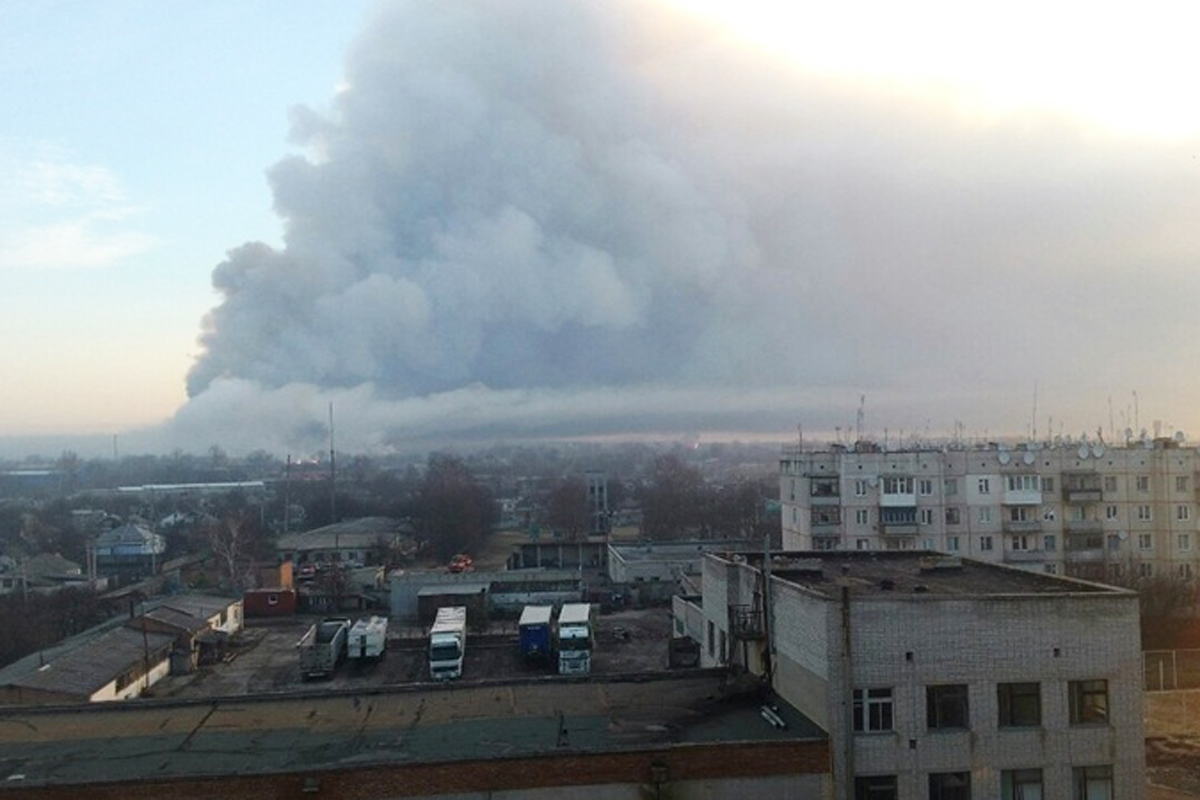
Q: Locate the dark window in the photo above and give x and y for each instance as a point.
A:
(1089, 701)
(1021, 784)
(946, 706)
(950, 786)
(1020, 704)
(872, 710)
(875, 787)
(1092, 783)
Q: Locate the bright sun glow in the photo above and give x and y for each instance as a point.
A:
(1130, 68)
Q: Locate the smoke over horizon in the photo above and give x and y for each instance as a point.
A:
(556, 218)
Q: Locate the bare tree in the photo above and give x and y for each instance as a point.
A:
(567, 507)
(227, 537)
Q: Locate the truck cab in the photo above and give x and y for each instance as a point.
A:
(447, 643)
(573, 639)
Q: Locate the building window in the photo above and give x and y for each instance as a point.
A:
(897, 485)
(949, 786)
(1049, 542)
(1146, 570)
(1019, 543)
(1146, 541)
(1020, 514)
(825, 515)
(1021, 784)
(926, 515)
(1115, 572)
(863, 544)
(925, 487)
(1051, 569)
(1047, 484)
(823, 543)
(1089, 701)
(1181, 483)
(1110, 483)
(985, 543)
(1110, 512)
(950, 487)
(927, 544)
(724, 645)
(985, 514)
(1048, 513)
(1184, 541)
(952, 516)
(1143, 514)
(1184, 571)
(952, 544)
(872, 710)
(824, 487)
(1023, 483)
(875, 787)
(860, 488)
(1183, 513)
(985, 486)
(1020, 705)
(1092, 783)
(862, 516)
(946, 706)
(712, 639)
(1143, 483)
(1114, 542)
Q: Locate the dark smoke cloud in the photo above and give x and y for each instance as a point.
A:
(553, 217)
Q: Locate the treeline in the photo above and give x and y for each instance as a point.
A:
(37, 621)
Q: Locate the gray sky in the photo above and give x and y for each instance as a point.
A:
(558, 218)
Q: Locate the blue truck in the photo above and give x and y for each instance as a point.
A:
(534, 632)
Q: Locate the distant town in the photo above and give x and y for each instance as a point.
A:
(956, 620)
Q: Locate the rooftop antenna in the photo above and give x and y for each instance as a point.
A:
(1136, 420)
(1112, 429)
(858, 422)
(1033, 421)
(332, 474)
(800, 436)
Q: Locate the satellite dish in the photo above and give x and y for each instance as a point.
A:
(1098, 449)
(1004, 457)
(1179, 437)
(1028, 457)
(1128, 434)
(872, 481)
(1058, 441)
(1084, 451)
(1122, 536)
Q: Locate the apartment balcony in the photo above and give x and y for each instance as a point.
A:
(1024, 556)
(1082, 487)
(1088, 495)
(1093, 526)
(1089, 556)
(1022, 526)
(746, 622)
(900, 500)
(1022, 497)
(824, 500)
(898, 528)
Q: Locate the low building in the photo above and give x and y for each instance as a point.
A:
(43, 574)
(938, 676)
(504, 590)
(681, 736)
(129, 552)
(201, 625)
(657, 571)
(114, 665)
(274, 594)
(357, 541)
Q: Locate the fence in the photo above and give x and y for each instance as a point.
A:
(1164, 670)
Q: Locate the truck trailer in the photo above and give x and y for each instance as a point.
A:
(534, 632)
(448, 643)
(368, 639)
(573, 639)
(323, 647)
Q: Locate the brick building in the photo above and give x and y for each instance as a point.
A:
(939, 677)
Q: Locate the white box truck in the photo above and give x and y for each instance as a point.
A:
(368, 639)
(573, 639)
(448, 643)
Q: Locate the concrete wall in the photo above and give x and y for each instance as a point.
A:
(406, 585)
(158, 670)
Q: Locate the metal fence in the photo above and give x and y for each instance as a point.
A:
(1164, 670)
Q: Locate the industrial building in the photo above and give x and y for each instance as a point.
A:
(655, 736)
(1083, 509)
(938, 677)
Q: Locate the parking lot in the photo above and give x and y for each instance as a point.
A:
(264, 658)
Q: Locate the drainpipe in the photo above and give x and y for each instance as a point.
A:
(847, 743)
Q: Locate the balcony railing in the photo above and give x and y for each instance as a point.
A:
(898, 528)
(746, 622)
(1024, 556)
(1022, 526)
(1083, 526)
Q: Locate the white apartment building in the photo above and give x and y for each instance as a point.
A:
(939, 677)
(1085, 510)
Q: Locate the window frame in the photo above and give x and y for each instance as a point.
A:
(1083, 706)
(941, 786)
(1012, 702)
(948, 707)
(873, 710)
(876, 787)
(1081, 776)
(1012, 782)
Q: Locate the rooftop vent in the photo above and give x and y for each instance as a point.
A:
(938, 563)
(887, 584)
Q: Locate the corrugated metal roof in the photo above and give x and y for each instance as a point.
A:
(81, 672)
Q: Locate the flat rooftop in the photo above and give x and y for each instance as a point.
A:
(914, 573)
(140, 740)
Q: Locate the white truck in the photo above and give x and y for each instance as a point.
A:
(573, 639)
(323, 647)
(448, 643)
(368, 639)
